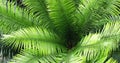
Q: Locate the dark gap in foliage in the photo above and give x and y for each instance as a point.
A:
(18, 3)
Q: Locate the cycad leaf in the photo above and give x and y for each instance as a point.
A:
(35, 38)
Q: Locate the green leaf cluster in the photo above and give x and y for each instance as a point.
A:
(60, 31)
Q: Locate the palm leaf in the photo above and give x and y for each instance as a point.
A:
(40, 11)
(111, 60)
(44, 41)
(96, 45)
(28, 56)
(61, 12)
(62, 15)
(93, 14)
(46, 30)
(13, 18)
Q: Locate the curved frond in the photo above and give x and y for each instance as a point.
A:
(60, 12)
(92, 14)
(96, 45)
(50, 31)
(40, 11)
(112, 7)
(13, 18)
(46, 42)
(71, 58)
(28, 57)
(111, 60)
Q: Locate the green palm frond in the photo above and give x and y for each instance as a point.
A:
(59, 31)
(71, 58)
(40, 11)
(13, 18)
(96, 50)
(93, 14)
(25, 58)
(61, 13)
(88, 48)
(112, 7)
(58, 14)
(95, 44)
(85, 10)
(45, 41)
(111, 60)
(30, 57)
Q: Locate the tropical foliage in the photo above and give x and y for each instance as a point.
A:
(60, 31)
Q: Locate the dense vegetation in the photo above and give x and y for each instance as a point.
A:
(60, 31)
